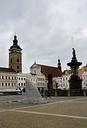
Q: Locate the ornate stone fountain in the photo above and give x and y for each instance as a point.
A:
(75, 83)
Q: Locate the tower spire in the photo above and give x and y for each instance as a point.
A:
(59, 64)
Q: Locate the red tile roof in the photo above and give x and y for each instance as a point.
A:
(50, 70)
(2, 69)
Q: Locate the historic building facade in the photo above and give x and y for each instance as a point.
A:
(21, 80)
(7, 80)
(62, 82)
(84, 82)
(48, 72)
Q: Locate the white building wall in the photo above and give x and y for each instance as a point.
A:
(62, 82)
(41, 82)
(84, 80)
(21, 80)
(37, 80)
(7, 81)
(17, 81)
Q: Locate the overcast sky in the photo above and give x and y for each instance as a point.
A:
(46, 30)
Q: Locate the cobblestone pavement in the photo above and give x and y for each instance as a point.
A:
(13, 101)
(59, 112)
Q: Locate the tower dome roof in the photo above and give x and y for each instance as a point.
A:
(15, 45)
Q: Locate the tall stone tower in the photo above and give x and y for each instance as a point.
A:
(15, 56)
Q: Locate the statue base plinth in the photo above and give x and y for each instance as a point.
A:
(75, 92)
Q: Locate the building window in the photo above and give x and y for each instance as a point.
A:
(17, 67)
(6, 77)
(8, 84)
(17, 60)
(2, 84)
(2, 77)
(11, 60)
(21, 84)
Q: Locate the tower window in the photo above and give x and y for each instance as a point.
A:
(2, 84)
(17, 67)
(17, 60)
(11, 60)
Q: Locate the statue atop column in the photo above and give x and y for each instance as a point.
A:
(74, 55)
